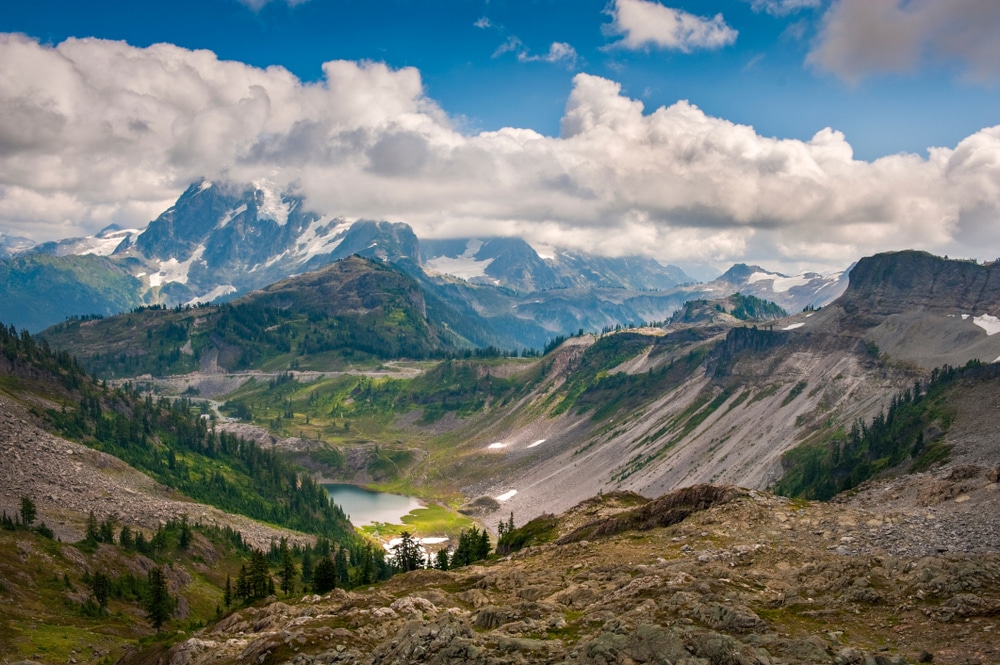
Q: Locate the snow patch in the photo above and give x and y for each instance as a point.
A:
(465, 266)
(271, 207)
(496, 446)
(965, 316)
(174, 270)
(780, 284)
(537, 443)
(990, 324)
(506, 495)
(205, 184)
(321, 237)
(217, 292)
(793, 326)
(228, 217)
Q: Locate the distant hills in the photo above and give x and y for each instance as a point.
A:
(222, 240)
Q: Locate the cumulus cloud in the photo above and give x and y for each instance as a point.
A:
(559, 52)
(646, 23)
(94, 132)
(859, 38)
(783, 7)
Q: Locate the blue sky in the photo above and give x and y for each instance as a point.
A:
(761, 79)
(887, 76)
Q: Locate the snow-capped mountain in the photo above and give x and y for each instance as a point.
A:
(10, 245)
(513, 263)
(794, 293)
(103, 243)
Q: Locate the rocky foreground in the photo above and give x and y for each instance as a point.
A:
(742, 578)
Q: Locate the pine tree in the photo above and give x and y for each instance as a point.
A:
(307, 567)
(406, 553)
(185, 537)
(28, 512)
(93, 535)
(324, 576)
(287, 574)
(100, 584)
(159, 604)
(125, 539)
(243, 583)
(441, 559)
(227, 595)
(343, 573)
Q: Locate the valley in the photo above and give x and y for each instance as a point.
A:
(346, 375)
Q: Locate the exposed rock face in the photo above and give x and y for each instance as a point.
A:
(897, 282)
(747, 579)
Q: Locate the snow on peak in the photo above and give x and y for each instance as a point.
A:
(464, 266)
(320, 237)
(270, 205)
(781, 284)
(228, 217)
(205, 184)
(173, 270)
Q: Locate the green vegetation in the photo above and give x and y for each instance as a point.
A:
(911, 431)
(171, 442)
(353, 312)
(35, 288)
(542, 529)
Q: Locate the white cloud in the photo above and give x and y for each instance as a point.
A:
(859, 38)
(559, 52)
(94, 132)
(646, 23)
(510, 45)
(483, 23)
(783, 7)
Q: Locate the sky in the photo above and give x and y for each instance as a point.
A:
(796, 134)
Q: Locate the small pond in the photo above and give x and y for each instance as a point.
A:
(365, 507)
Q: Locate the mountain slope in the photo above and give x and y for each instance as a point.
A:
(354, 309)
(38, 290)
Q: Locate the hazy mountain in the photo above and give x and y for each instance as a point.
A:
(514, 264)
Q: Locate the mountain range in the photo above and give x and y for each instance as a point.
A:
(222, 240)
(365, 370)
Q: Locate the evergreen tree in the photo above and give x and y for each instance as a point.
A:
(441, 559)
(106, 531)
(243, 583)
(93, 534)
(159, 604)
(343, 574)
(125, 539)
(324, 576)
(227, 595)
(100, 584)
(307, 567)
(406, 555)
(287, 574)
(28, 512)
(483, 545)
(184, 541)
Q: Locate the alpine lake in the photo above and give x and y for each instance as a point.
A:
(385, 515)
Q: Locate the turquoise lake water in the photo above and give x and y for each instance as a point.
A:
(365, 507)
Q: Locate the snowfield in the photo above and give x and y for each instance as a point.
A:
(990, 324)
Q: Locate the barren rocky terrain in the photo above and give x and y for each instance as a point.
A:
(746, 578)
